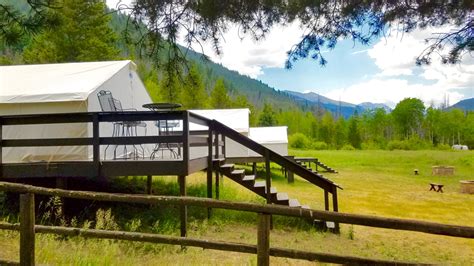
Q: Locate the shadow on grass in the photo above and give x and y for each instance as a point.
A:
(137, 217)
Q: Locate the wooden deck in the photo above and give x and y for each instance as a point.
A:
(210, 137)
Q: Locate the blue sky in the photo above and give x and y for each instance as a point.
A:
(382, 72)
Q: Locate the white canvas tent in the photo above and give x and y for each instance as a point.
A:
(274, 138)
(237, 119)
(63, 88)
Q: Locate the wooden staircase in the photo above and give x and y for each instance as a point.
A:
(317, 163)
(258, 187)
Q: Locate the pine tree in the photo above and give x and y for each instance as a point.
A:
(219, 97)
(83, 35)
(353, 135)
(193, 94)
(267, 117)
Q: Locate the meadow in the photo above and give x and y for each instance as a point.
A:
(380, 183)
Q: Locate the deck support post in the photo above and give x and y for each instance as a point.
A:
(27, 229)
(149, 181)
(263, 241)
(209, 168)
(268, 177)
(254, 169)
(217, 184)
(326, 200)
(335, 207)
(183, 209)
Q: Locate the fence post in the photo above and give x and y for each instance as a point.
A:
(263, 241)
(27, 229)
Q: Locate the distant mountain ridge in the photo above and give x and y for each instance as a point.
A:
(466, 104)
(337, 107)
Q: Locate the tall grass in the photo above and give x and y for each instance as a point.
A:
(375, 182)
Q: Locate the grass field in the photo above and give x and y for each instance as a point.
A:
(378, 183)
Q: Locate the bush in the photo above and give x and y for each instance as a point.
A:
(299, 141)
(443, 147)
(411, 144)
(397, 145)
(348, 147)
(372, 145)
(319, 145)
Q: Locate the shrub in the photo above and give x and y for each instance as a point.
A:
(319, 145)
(348, 147)
(372, 145)
(443, 147)
(397, 145)
(411, 144)
(299, 141)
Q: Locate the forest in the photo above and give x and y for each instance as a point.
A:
(88, 31)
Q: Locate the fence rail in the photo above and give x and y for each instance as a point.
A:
(262, 249)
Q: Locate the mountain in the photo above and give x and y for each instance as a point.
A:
(256, 91)
(336, 107)
(371, 106)
(466, 104)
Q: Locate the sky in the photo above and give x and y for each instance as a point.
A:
(381, 72)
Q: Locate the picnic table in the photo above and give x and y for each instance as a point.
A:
(436, 187)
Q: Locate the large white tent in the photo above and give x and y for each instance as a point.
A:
(63, 88)
(237, 119)
(274, 138)
(73, 87)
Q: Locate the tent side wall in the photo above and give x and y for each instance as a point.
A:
(126, 87)
(31, 154)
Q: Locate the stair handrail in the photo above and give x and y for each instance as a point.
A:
(313, 178)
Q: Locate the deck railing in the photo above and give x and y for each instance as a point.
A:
(28, 229)
(97, 164)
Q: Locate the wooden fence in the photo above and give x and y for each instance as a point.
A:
(28, 229)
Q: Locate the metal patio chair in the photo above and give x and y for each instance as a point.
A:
(121, 128)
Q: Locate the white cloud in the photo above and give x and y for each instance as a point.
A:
(247, 56)
(395, 56)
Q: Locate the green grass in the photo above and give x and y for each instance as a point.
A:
(378, 183)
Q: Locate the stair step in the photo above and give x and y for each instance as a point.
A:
(238, 172)
(259, 184)
(294, 203)
(282, 196)
(248, 178)
(305, 207)
(273, 190)
(227, 167)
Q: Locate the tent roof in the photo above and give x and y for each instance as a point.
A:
(269, 134)
(237, 119)
(55, 82)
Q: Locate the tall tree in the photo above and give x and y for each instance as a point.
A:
(82, 35)
(241, 101)
(326, 130)
(193, 94)
(267, 117)
(408, 115)
(219, 97)
(353, 132)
